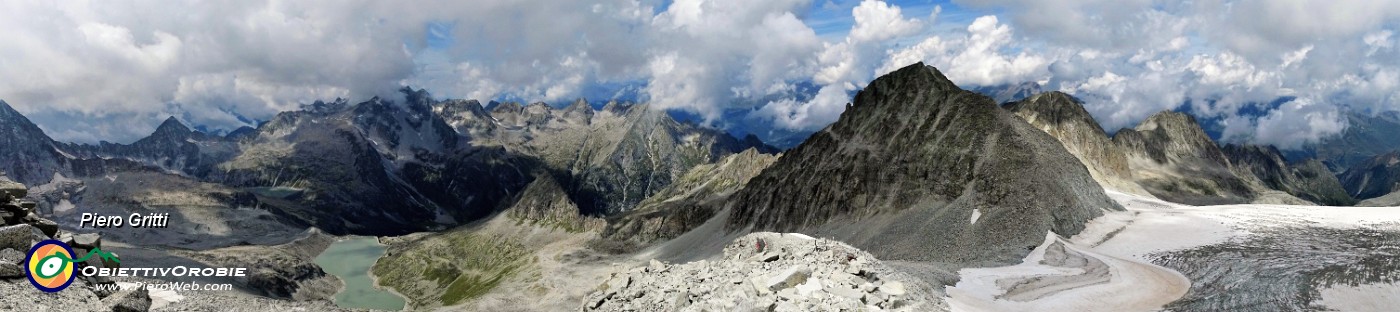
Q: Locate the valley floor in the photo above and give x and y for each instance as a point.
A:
(1163, 256)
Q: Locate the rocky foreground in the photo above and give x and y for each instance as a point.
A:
(768, 272)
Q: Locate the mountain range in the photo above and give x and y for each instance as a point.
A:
(380, 167)
(917, 171)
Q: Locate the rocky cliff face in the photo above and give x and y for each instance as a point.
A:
(346, 164)
(1175, 160)
(467, 117)
(1309, 180)
(545, 203)
(27, 155)
(1064, 117)
(1375, 177)
(919, 169)
(1171, 157)
(687, 203)
(617, 156)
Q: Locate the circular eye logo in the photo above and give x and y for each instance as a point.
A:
(50, 265)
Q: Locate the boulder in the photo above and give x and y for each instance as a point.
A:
(112, 263)
(46, 226)
(18, 237)
(135, 301)
(66, 238)
(9, 263)
(12, 189)
(789, 278)
(95, 261)
(11, 270)
(87, 241)
(11, 255)
(893, 289)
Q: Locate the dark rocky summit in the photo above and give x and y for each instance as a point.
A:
(28, 155)
(919, 169)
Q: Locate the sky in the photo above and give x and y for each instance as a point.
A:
(112, 70)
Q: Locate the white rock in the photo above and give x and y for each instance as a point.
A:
(893, 288)
(867, 287)
(788, 278)
(812, 285)
(800, 235)
(657, 266)
(789, 294)
(846, 292)
(846, 279)
(787, 306)
(617, 283)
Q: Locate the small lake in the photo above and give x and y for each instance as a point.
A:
(350, 260)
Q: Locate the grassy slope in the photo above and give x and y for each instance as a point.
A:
(452, 267)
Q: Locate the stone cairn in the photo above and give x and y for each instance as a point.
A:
(22, 228)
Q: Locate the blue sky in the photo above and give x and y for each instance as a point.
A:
(112, 71)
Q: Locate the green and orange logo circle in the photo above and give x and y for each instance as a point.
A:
(50, 265)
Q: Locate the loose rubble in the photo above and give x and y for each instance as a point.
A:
(768, 272)
(22, 228)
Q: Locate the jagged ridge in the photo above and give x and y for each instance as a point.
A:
(903, 170)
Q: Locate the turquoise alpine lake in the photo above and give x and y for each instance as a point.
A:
(350, 260)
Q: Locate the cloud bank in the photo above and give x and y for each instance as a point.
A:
(87, 71)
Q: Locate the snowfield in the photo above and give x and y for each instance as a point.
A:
(1116, 263)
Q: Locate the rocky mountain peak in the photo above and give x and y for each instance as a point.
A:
(1055, 108)
(615, 107)
(13, 123)
(466, 117)
(579, 112)
(462, 106)
(919, 169)
(539, 106)
(917, 75)
(1180, 163)
(1171, 122)
(6, 112)
(172, 127)
(1167, 136)
(28, 155)
(1064, 118)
